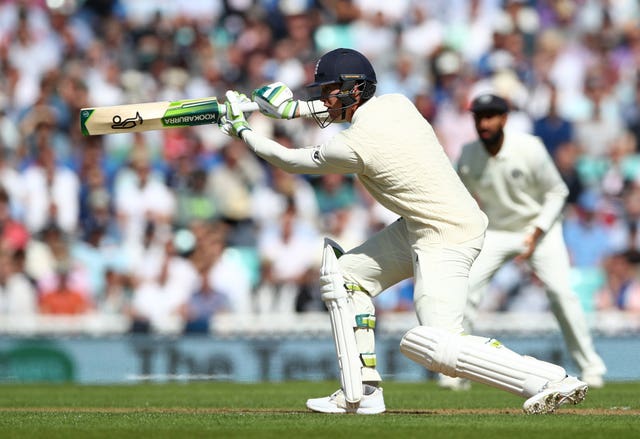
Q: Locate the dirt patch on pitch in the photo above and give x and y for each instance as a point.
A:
(614, 411)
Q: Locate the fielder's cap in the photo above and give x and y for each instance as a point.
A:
(487, 103)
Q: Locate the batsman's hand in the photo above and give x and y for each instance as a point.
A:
(233, 123)
(276, 100)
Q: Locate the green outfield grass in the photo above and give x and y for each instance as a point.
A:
(276, 410)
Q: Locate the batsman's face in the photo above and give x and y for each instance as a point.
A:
(330, 99)
(489, 125)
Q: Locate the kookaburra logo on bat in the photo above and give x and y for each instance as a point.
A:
(131, 122)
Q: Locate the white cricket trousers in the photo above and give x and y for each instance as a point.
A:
(550, 262)
(441, 273)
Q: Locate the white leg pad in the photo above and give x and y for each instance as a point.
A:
(479, 359)
(343, 322)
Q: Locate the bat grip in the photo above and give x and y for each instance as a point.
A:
(246, 107)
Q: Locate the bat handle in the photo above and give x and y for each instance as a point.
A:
(246, 107)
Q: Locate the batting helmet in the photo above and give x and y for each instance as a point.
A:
(346, 67)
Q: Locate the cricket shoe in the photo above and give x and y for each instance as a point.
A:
(370, 404)
(553, 395)
(593, 380)
(453, 383)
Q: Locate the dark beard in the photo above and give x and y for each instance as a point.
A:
(494, 141)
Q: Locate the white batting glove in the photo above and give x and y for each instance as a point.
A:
(275, 100)
(233, 123)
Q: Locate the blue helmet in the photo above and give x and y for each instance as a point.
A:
(346, 67)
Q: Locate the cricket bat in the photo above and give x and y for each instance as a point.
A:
(154, 116)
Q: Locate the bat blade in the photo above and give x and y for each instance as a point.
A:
(153, 116)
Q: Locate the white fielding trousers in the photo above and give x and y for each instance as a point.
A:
(550, 262)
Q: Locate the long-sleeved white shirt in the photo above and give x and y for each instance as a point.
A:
(394, 152)
(519, 188)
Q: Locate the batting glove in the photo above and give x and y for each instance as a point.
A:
(233, 123)
(275, 100)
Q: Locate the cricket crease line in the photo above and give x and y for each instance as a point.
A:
(621, 411)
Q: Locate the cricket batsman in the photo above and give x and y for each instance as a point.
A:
(395, 154)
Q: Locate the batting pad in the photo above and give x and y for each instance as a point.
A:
(479, 359)
(343, 322)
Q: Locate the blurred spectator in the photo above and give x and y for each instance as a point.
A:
(10, 182)
(270, 201)
(398, 298)
(61, 295)
(153, 303)
(622, 289)
(96, 184)
(157, 300)
(406, 78)
(348, 226)
(378, 215)
(203, 306)
(334, 191)
(470, 30)
(423, 34)
(145, 257)
(515, 288)
(553, 129)
(141, 197)
(282, 276)
(566, 160)
(231, 271)
(18, 295)
(9, 135)
(44, 251)
(184, 154)
(453, 123)
(589, 239)
(97, 256)
(225, 271)
(193, 202)
(13, 235)
(54, 266)
(446, 68)
(48, 120)
(599, 122)
(628, 218)
(230, 185)
(531, 297)
(633, 110)
(116, 299)
(50, 193)
(30, 51)
(620, 166)
(374, 33)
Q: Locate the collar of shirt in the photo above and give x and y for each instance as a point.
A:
(355, 115)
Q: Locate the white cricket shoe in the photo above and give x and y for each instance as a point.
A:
(553, 395)
(453, 383)
(369, 404)
(593, 380)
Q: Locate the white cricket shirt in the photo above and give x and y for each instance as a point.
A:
(519, 188)
(394, 152)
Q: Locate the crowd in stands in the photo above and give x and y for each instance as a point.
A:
(189, 223)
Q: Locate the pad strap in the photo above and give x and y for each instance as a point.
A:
(365, 321)
(354, 287)
(368, 359)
